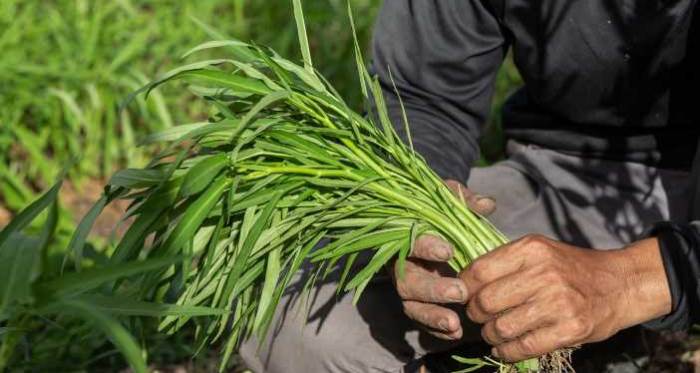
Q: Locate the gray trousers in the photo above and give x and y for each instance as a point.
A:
(590, 203)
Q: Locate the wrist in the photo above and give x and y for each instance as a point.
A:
(646, 290)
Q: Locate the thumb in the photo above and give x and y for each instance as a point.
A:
(482, 205)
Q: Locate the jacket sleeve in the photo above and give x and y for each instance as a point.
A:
(443, 57)
(680, 252)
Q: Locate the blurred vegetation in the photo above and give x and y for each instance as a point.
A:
(68, 64)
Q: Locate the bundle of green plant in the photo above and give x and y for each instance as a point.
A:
(247, 197)
(66, 65)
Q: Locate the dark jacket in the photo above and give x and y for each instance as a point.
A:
(612, 79)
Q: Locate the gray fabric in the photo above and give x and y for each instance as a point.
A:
(591, 203)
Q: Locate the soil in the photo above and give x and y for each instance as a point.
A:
(79, 200)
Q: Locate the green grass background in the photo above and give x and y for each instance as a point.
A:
(67, 65)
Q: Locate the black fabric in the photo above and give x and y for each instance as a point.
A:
(694, 190)
(679, 251)
(604, 79)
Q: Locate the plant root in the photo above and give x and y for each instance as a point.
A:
(558, 361)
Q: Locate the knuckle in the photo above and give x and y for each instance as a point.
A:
(479, 270)
(552, 275)
(485, 302)
(503, 328)
(580, 328)
(567, 309)
(528, 345)
(537, 244)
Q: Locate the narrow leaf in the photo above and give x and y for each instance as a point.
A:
(303, 38)
(26, 216)
(119, 336)
(201, 175)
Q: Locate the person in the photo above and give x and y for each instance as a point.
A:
(600, 146)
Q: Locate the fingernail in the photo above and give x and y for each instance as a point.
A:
(455, 294)
(443, 252)
(494, 352)
(483, 200)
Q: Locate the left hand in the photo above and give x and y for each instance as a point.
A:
(536, 295)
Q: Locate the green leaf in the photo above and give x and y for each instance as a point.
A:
(359, 60)
(308, 77)
(236, 83)
(119, 336)
(80, 282)
(135, 235)
(379, 260)
(364, 241)
(251, 238)
(49, 228)
(473, 363)
(77, 242)
(19, 256)
(201, 174)
(236, 45)
(137, 178)
(173, 133)
(26, 216)
(303, 38)
(272, 274)
(194, 216)
(119, 305)
(405, 251)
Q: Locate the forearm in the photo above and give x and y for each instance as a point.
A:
(641, 272)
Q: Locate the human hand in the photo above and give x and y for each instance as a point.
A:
(536, 295)
(429, 284)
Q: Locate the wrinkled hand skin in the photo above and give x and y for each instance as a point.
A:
(536, 295)
(429, 285)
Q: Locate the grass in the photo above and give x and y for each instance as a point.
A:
(67, 65)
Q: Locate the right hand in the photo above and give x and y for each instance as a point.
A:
(429, 285)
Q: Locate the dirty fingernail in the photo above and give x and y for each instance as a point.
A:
(455, 293)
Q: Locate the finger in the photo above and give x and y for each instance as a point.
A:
(420, 285)
(429, 247)
(480, 204)
(503, 261)
(533, 344)
(515, 323)
(503, 294)
(440, 321)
